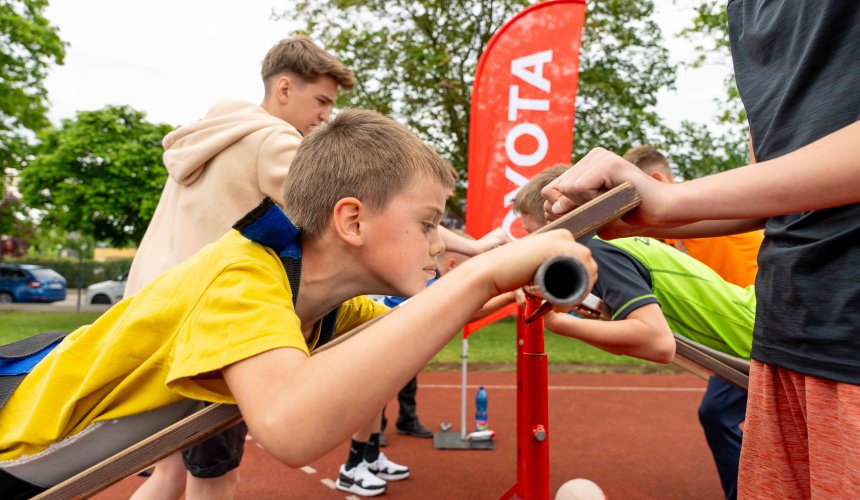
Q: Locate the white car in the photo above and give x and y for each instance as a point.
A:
(106, 292)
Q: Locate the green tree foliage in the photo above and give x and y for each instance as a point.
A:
(30, 46)
(703, 150)
(100, 174)
(415, 60)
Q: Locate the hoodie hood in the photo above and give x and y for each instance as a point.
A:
(188, 149)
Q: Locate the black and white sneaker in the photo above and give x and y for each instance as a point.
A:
(384, 468)
(360, 481)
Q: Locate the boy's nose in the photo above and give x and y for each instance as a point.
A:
(437, 246)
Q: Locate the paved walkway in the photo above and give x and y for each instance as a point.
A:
(637, 436)
(68, 305)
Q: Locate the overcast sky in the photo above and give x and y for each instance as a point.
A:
(174, 58)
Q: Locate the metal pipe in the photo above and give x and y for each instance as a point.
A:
(562, 281)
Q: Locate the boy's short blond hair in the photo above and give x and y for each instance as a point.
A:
(303, 58)
(529, 200)
(360, 154)
(648, 158)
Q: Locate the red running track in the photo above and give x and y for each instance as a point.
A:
(637, 436)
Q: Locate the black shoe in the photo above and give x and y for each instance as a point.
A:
(383, 441)
(416, 430)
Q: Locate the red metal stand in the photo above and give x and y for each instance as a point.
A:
(532, 410)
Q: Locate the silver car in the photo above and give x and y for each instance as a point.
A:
(107, 292)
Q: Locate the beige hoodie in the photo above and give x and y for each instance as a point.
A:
(219, 169)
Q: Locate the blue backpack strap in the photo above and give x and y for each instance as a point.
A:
(327, 328)
(18, 359)
(269, 226)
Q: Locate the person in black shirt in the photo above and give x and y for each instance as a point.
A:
(797, 66)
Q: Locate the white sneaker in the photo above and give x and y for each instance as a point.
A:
(360, 481)
(384, 468)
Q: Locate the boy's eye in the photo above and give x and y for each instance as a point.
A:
(429, 226)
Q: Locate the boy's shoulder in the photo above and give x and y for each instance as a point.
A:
(646, 250)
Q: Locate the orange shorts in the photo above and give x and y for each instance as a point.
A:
(801, 437)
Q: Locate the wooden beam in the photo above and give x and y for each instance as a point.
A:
(598, 213)
(694, 354)
(190, 430)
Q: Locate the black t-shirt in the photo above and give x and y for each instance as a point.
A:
(797, 65)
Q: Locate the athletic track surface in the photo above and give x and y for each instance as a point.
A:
(637, 436)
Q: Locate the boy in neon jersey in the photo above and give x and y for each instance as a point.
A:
(652, 290)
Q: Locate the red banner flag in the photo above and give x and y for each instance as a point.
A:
(521, 115)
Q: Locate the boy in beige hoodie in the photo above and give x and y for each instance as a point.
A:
(219, 169)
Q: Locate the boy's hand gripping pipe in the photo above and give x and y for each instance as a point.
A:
(583, 222)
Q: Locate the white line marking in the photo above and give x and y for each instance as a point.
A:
(307, 469)
(328, 482)
(352, 497)
(572, 388)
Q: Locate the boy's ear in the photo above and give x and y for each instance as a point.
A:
(282, 89)
(348, 219)
(661, 177)
(450, 263)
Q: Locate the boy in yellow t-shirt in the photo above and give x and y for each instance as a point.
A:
(235, 323)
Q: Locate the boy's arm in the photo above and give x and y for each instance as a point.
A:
(644, 333)
(821, 175)
(701, 229)
(494, 305)
(298, 408)
(456, 243)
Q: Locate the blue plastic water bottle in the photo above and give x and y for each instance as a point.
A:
(481, 409)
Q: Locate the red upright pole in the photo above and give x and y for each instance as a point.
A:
(532, 410)
(535, 430)
(521, 413)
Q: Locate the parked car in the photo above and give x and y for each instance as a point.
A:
(29, 283)
(107, 292)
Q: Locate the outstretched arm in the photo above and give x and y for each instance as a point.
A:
(456, 243)
(701, 229)
(820, 175)
(644, 333)
(318, 402)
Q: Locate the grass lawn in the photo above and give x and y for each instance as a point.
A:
(494, 344)
(19, 325)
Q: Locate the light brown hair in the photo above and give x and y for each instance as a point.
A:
(301, 57)
(360, 154)
(647, 158)
(529, 200)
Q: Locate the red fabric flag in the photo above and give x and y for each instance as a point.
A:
(522, 114)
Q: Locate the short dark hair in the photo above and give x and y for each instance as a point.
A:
(302, 57)
(529, 201)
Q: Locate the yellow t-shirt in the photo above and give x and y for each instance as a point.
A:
(230, 301)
